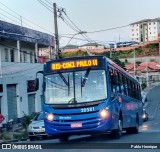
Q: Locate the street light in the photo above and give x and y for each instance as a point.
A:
(80, 32)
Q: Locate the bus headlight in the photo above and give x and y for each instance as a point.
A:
(50, 117)
(104, 113)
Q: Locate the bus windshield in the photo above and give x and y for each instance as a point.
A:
(75, 87)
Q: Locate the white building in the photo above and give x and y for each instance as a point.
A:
(145, 30)
(19, 54)
(16, 94)
(91, 46)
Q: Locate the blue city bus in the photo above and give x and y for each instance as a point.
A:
(87, 95)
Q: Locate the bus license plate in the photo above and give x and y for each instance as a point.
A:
(76, 125)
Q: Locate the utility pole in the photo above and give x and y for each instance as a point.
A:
(134, 63)
(56, 31)
(110, 52)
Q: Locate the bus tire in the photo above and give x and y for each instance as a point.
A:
(133, 130)
(117, 133)
(64, 138)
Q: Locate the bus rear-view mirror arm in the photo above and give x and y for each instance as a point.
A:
(36, 81)
(113, 96)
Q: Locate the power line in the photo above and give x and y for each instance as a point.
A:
(10, 18)
(13, 16)
(67, 23)
(114, 28)
(71, 20)
(48, 2)
(10, 14)
(46, 6)
(26, 19)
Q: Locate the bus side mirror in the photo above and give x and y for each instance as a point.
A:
(36, 82)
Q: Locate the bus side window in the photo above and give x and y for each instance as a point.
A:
(113, 80)
(129, 87)
(134, 90)
(123, 85)
(139, 92)
(115, 75)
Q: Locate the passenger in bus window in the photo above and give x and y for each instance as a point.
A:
(113, 82)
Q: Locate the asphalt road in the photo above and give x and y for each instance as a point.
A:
(149, 135)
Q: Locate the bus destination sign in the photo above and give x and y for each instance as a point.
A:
(74, 64)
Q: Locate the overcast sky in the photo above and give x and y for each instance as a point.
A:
(88, 15)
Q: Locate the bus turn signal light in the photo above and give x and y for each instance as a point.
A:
(50, 117)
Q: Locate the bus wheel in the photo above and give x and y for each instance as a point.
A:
(117, 133)
(64, 138)
(133, 130)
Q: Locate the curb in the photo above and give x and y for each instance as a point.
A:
(10, 141)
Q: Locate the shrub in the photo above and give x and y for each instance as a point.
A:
(26, 120)
(143, 85)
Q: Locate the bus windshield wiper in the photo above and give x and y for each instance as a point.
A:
(65, 81)
(84, 79)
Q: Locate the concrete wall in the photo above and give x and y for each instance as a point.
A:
(20, 79)
(143, 59)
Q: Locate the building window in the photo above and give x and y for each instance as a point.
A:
(30, 86)
(1, 87)
(12, 55)
(6, 58)
(132, 30)
(137, 34)
(132, 34)
(149, 23)
(137, 24)
(24, 56)
(154, 27)
(31, 57)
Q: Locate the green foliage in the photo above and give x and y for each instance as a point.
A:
(126, 61)
(138, 62)
(117, 61)
(73, 54)
(26, 120)
(7, 136)
(143, 86)
(20, 135)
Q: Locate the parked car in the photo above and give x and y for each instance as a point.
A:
(36, 128)
(145, 115)
(144, 97)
